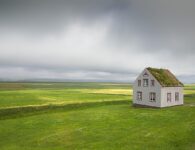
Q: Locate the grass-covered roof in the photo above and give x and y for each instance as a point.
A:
(165, 77)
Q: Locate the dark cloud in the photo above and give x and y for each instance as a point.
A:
(100, 40)
(52, 16)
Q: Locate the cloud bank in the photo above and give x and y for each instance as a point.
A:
(95, 40)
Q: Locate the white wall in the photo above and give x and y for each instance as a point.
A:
(171, 90)
(146, 90)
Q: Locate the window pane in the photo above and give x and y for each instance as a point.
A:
(168, 97)
(176, 96)
(139, 95)
(145, 82)
(152, 96)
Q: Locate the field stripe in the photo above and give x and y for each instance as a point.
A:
(15, 112)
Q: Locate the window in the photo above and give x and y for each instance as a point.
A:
(152, 82)
(139, 96)
(145, 82)
(139, 82)
(152, 97)
(168, 97)
(145, 74)
(176, 96)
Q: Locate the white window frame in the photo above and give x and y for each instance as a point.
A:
(144, 82)
(145, 74)
(168, 97)
(176, 96)
(139, 95)
(152, 97)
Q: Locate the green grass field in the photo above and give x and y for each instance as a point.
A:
(58, 116)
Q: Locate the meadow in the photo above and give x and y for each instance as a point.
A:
(73, 115)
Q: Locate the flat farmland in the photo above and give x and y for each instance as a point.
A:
(75, 115)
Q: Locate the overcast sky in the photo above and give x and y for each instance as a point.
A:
(104, 40)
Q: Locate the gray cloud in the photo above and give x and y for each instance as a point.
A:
(95, 40)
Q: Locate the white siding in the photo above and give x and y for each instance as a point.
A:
(171, 90)
(146, 90)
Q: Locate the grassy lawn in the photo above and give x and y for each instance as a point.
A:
(57, 116)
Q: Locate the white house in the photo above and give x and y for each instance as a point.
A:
(157, 88)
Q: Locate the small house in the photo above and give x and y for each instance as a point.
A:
(157, 88)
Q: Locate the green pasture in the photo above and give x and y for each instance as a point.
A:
(31, 94)
(58, 116)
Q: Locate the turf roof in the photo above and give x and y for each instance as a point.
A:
(165, 77)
